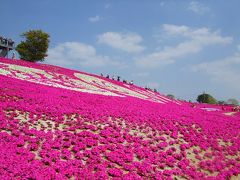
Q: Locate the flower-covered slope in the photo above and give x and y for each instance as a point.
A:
(74, 80)
(57, 123)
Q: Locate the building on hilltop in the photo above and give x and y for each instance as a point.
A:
(6, 45)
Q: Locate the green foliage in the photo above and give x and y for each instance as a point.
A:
(221, 102)
(34, 47)
(206, 98)
(171, 96)
(233, 101)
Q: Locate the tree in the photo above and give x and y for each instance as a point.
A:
(221, 102)
(233, 101)
(34, 47)
(170, 96)
(206, 98)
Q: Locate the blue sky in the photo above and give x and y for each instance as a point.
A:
(179, 47)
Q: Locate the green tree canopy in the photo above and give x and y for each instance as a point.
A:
(206, 98)
(233, 101)
(34, 47)
(171, 96)
(221, 102)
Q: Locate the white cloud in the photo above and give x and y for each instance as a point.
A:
(128, 42)
(76, 53)
(195, 41)
(201, 35)
(225, 71)
(198, 8)
(95, 18)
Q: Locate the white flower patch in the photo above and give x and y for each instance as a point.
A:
(82, 83)
(108, 85)
(24, 70)
(50, 79)
(4, 72)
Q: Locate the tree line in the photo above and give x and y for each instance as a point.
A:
(209, 99)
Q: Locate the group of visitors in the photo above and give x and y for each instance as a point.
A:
(150, 89)
(118, 78)
(6, 41)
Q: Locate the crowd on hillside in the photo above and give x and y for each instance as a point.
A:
(6, 41)
(118, 78)
(150, 89)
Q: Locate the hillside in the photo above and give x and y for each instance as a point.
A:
(57, 123)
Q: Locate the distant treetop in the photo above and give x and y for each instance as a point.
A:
(206, 98)
(233, 101)
(34, 47)
(171, 96)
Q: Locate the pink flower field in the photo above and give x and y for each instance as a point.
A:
(57, 123)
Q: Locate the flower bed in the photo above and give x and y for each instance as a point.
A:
(61, 124)
(73, 80)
